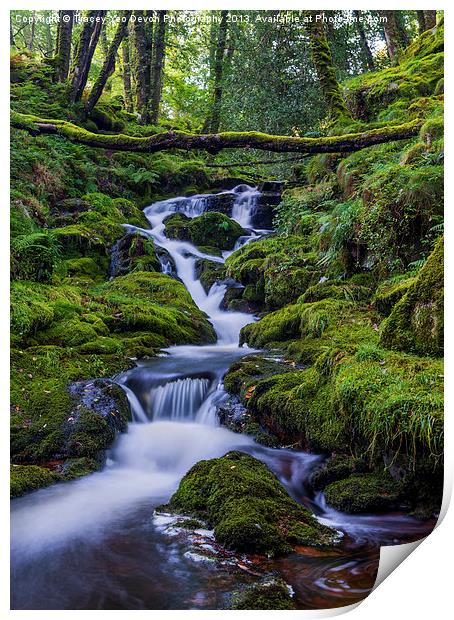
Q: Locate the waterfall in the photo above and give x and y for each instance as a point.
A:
(244, 204)
(178, 400)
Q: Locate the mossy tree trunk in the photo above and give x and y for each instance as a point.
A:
(213, 143)
(143, 46)
(324, 67)
(214, 119)
(109, 61)
(421, 21)
(63, 47)
(159, 50)
(363, 41)
(83, 56)
(430, 19)
(31, 41)
(126, 74)
(395, 35)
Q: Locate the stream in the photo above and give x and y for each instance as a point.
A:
(93, 543)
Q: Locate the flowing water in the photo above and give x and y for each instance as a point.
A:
(93, 543)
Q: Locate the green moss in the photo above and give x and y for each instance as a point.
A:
(269, 594)
(247, 506)
(25, 478)
(335, 468)
(433, 129)
(389, 292)
(416, 321)
(276, 326)
(363, 493)
(155, 302)
(209, 229)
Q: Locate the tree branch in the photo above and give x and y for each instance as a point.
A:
(213, 143)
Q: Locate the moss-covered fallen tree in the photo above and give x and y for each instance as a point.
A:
(214, 143)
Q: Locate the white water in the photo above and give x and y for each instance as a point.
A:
(185, 254)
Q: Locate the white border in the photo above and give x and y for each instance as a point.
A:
(420, 588)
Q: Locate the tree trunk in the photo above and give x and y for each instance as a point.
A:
(63, 49)
(85, 49)
(213, 143)
(11, 34)
(126, 71)
(363, 40)
(49, 42)
(31, 42)
(393, 36)
(218, 73)
(142, 66)
(324, 67)
(109, 62)
(430, 19)
(157, 67)
(421, 21)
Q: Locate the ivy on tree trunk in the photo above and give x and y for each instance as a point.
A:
(63, 48)
(324, 66)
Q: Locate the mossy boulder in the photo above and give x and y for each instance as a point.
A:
(26, 478)
(337, 467)
(209, 272)
(154, 302)
(270, 593)
(209, 229)
(247, 507)
(389, 292)
(416, 321)
(133, 252)
(363, 493)
(275, 271)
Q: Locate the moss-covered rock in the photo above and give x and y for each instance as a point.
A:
(389, 292)
(416, 321)
(154, 302)
(133, 252)
(247, 506)
(363, 493)
(270, 593)
(337, 467)
(26, 478)
(209, 229)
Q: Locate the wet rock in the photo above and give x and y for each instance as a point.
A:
(263, 213)
(221, 203)
(266, 520)
(100, 411)
(133, 252)
(234, 291)
(209, 272)
(270, 593)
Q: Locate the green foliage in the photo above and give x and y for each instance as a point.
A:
(34, 256)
